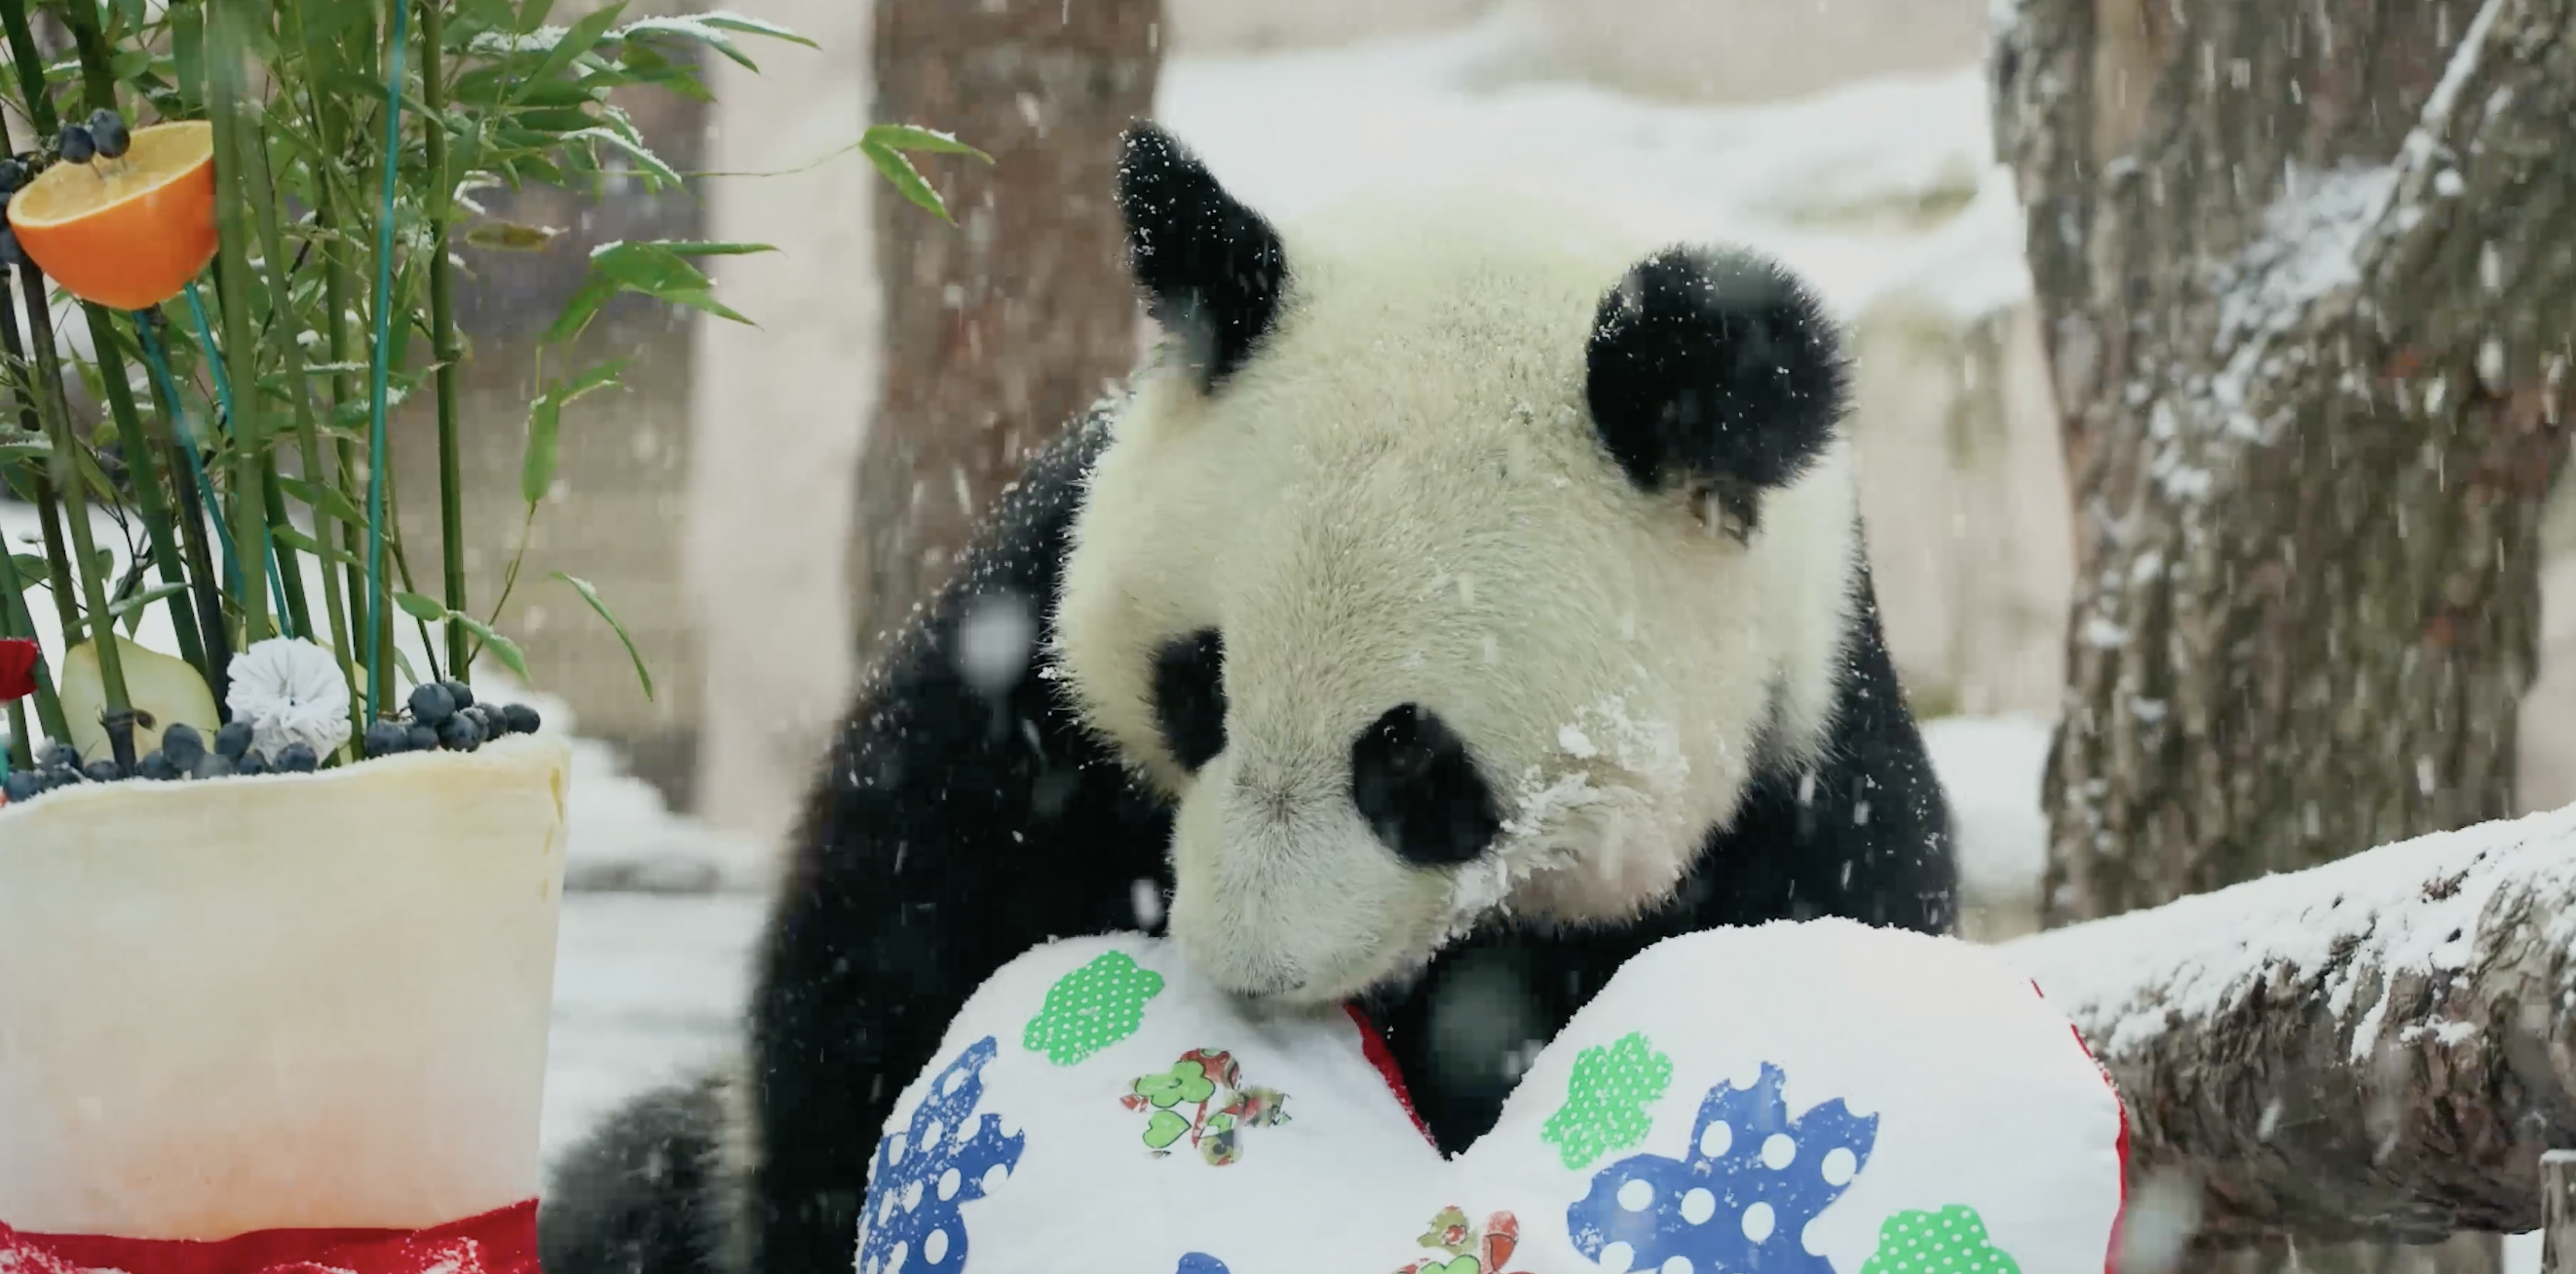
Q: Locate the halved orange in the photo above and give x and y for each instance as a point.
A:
(126, 236)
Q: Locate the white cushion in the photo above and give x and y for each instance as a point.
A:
(1807, 1098)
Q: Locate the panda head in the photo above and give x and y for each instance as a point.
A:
(1449, 562)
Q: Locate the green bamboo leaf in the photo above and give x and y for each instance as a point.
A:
(906, 179)
(581, 37)
(591, 595)
(31, 569)
(753, 26)
(302, 543)
(533, 14)
(323, 498)
(639, 152)
(705, 299)
(419, 607)
(600, 377)
(594, 292)
(509, 236)
(537, 466)
(648, 268)
(695, 248)
(135, 605)
(688, 29)
(507, 649)
(913, 137)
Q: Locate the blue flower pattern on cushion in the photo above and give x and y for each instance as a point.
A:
(1740, 1200)
(910, 1219)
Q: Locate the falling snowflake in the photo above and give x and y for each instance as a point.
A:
(1606, 1099)
(1740, 1199)
(910, 1220)
(1092, 1008)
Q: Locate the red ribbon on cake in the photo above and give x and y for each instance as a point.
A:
(503, 1241)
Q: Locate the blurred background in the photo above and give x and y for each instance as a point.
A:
(765, 500)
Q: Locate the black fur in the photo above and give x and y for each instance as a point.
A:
(1211, 268)
(643, 1195)
(1716, 371)
(1412, 779)
(1189, 697)
(935, 848)
(1866, 835)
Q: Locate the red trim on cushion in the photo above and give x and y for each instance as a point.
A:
(502, 1241)
(2110, 1262)
(1373, 1046)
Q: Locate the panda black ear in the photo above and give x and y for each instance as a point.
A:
(1714, 371)
(1211, 268)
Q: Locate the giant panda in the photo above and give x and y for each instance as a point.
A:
(1463, 599)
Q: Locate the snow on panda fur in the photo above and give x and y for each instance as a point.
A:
(1463, 602)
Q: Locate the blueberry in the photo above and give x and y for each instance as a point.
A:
(431, 705)
(61, 776)
(522, 718)
(233, 739)
(156, 766)
(76, 145)
(10, 252)
(424, 738)
(107, 129)
(102, 770)
(297, 758)
(461, 734)
(463, 694)
(58, 756)
(23, 785)
(251, 762)
(185, 746)
(485, 720)
(13, 176)
(386, 737)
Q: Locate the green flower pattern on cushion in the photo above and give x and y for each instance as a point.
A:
(1950, 1241)
(1092, 1008)
(1606, 1099)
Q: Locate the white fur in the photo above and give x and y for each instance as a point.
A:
(1400, 498)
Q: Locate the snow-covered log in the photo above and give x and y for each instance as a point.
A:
(2382, 1047)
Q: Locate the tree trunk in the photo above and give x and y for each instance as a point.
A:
(2382, 1047)
(2303, 267)
(1000, 328)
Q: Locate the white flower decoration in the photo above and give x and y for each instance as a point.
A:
(290, 691)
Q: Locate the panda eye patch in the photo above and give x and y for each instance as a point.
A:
(1189, 697)
(1412, 779)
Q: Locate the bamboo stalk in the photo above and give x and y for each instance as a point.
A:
(331, 123)
(48, 392)
(98, 82)
(378, 470)
(442, 326)
(192, 509)
(17, 621)
(142, 462)
(74, 494)
(272, 239)
(224, 92)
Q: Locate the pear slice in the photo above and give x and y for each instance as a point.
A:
(162, 688)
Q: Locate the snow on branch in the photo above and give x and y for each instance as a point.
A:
(2381, 1047)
